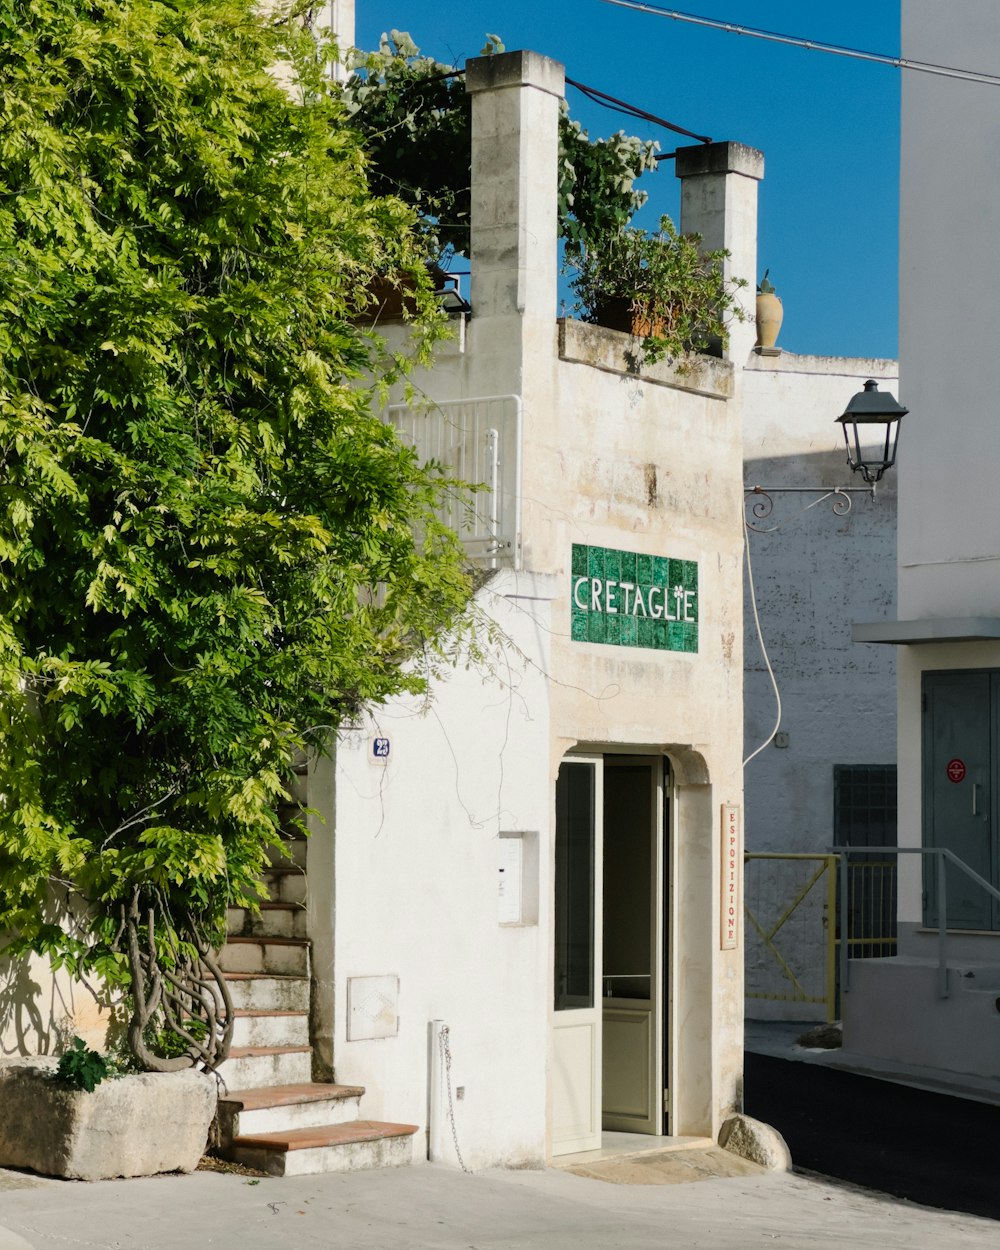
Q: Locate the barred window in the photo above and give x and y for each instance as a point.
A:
(864, 804)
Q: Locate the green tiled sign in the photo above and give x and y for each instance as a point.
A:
(628, 600)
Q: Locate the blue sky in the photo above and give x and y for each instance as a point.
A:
(828, 127)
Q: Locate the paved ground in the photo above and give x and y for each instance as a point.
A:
(913, 1143)
(667, 1167)
(437, 1208)
(916, 1133)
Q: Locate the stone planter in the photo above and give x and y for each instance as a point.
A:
(616, 313)
(129, 1126)
(391, 302)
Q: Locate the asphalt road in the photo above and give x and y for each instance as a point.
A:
(929, 1148)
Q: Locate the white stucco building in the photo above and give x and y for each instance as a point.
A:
(521, 920)
(523, 910)
(543, 861)
(947, 633)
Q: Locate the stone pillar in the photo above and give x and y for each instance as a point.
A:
(719, 202)
(515, 146)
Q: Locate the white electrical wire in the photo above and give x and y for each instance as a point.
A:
(763, 650)
(813, 45)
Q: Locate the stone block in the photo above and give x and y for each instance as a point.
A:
(751, 1139)
(129, 1126)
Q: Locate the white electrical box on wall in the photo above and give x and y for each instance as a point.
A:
(509, 880)
(372, 1008)
(517, 878)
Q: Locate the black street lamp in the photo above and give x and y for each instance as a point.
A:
(870, 407)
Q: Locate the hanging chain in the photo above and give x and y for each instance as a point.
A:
(445, 1045)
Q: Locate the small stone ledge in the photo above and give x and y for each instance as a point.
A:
(841, 366)
(760, 1143)
(614, 352)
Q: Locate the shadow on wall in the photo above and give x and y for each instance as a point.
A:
(40, 1011)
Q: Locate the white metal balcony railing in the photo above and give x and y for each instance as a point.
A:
(940, 854)
(477, 441)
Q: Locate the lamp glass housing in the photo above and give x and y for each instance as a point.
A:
(872, 408)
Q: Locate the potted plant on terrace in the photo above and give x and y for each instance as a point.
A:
(415, 120)
(655, 285)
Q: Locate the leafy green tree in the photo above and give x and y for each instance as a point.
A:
(210, 549)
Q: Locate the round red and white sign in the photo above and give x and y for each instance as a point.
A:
(956, 770)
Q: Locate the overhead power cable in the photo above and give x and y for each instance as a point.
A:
(598, 97)
(812, 45)
(632, 110)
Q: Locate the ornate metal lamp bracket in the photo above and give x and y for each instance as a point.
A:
(758, 502)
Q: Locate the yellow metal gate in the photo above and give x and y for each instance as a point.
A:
(791, 909)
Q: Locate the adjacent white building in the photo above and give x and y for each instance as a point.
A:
(919, 1009)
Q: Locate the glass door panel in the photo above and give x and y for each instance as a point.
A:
(576, 1020)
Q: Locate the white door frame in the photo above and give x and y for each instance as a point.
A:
(576, 1031)
(635, 1027)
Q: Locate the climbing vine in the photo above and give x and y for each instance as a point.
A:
(210, 549)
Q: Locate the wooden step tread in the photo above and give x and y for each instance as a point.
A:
(265, 939)
(250, 1052)
(328, 1135)
(267, 1011)
(289, 1095)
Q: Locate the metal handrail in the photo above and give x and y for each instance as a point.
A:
(943, 853)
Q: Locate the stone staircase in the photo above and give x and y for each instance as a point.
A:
(272, 1115)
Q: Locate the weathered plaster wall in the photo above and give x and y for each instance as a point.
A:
(648, 462)
(724, 212)
(41, 1011)
(417, 858)
(628, 462)
(611, 459)
(812, 577)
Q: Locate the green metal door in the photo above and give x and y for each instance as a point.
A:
(960, 738)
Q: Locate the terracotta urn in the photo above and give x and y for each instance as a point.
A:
(769, 314)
